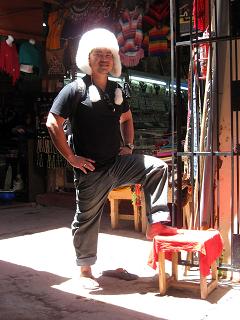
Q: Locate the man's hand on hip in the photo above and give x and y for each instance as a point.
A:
(81, 163)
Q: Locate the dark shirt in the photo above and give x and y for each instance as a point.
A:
(95, 125)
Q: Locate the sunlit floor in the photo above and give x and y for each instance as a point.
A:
(34, 242)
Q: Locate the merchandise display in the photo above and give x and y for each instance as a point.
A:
(37, 71)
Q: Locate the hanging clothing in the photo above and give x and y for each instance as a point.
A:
(56, 22)
(9, 62)
(130, 36)
(191, 139)
(157, 41)
(54, 58)
(29, 55)
(156, 14)
(200, 15)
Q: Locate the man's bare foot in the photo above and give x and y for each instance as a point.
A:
(158, 229)
(86, 271)
(87, 279)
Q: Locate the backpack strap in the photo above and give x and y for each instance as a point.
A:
(80, 92)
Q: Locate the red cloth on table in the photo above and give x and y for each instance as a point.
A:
(208, 243)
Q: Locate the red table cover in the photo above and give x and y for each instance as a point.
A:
(207, 242)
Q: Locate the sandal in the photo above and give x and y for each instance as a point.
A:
(89, 283)
(120, 273)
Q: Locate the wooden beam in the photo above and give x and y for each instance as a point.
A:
(52, 1)
(59, 2)
(20, 35)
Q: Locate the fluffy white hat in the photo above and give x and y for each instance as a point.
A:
(98, 38)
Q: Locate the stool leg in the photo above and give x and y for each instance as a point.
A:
(175, 265)
(214, 271)
(208, 288)
(203, 287)
(162, 275)
(136, 217)
(114, 212)
(187, 268)
(143, 213)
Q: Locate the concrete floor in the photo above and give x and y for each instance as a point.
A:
(39, 279)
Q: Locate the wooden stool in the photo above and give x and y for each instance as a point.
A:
(165, 283)
(114, 197)
(193, 241)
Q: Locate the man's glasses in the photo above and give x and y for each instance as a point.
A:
(102, 56)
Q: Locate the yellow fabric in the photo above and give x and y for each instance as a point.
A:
(56, 21)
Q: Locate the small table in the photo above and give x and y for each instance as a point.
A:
(208, 243)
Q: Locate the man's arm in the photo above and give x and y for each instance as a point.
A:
(127, 131)
(55, 128)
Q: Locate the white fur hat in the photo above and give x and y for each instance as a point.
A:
(98, 38)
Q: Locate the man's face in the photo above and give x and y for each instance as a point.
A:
(101, 61)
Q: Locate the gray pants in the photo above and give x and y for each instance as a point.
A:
(92, 190)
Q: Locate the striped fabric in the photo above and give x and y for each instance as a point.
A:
(130, 36)
(156, 42)
(156, 13)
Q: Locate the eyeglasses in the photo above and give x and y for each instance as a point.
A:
(103, 56)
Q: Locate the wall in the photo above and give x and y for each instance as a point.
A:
(227, 188)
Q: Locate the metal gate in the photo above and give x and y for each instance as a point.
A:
(207, 33)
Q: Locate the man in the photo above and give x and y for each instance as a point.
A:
(102, 146)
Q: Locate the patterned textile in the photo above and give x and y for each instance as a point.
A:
(85, 15)
(55, 63)
(130, 36)
(156, 42)
(156, 13)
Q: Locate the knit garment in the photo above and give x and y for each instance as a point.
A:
(130, 36)
(155, 15)
(29, 54)
(156, 42)
(9, 62)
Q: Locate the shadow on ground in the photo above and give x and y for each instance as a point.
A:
(29, 294)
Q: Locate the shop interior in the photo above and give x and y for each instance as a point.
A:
(42, 61)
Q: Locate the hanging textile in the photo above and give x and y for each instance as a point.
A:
(85, 15)
(54, 58)
(29, 54)
(210, 163)
(156, 13)
(9, 62)
(157, 41)
(200, 15)
(56, 22)
(130, 36)
(46, 154)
